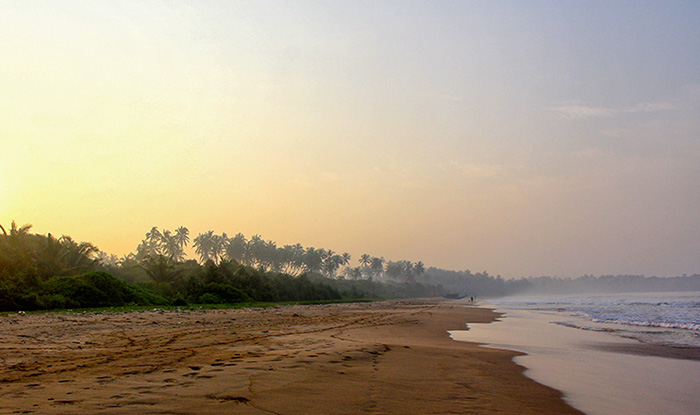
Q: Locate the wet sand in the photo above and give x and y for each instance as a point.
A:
(599, 372)
(392, 357)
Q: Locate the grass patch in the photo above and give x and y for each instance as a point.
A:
(189, 307)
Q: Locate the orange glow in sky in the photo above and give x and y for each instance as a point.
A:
(504, 137)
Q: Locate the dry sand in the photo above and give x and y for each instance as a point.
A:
(392, 357)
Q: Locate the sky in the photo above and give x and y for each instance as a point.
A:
(519, 138)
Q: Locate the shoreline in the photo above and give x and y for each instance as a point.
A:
(390, 357)
(598, 372)
(654, 350)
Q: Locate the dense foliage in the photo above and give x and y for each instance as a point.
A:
(44, 272)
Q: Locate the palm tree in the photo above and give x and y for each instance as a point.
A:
(377, 266)
(154, 236)
(217, 247)
(152, 244)
(313, 259)
(203, 245)
(260, 253)
(171, 247)
(365, 260)
(49, 257)
(18, 232)
(353, 273)
(419, 268)
(106, 259)
(17, 246)
(289, 259)
(272, 257)
(160, 268)
(182, 236)
(77, 257)
(330, 266)
(333, 262)
(235, 248)
(327, 253)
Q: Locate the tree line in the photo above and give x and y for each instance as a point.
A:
(44, 272)
(47, 272)
(160, 247)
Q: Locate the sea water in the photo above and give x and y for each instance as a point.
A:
(568, 339)
(671, 318)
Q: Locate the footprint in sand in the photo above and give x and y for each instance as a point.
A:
(64, 402)
(104, 379)
(228, 398)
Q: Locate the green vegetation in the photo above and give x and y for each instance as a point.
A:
(40, 272)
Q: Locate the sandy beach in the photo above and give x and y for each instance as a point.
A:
(392, 357)
(599, 372)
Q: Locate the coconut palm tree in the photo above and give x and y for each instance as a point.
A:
(49, 257)
(106, 259)
(17, 232)
(290, 259)
(182, 237)
(17, 249)
(160, 268)
(330, 266)
(353, 273)
(313, 259)
(377, 266)
(235, 248)
(217, 248)
(419, 268)
(154, 236)
(365, 260)
(77, 257)
(170, 246)
(272, 257)
(204, 245)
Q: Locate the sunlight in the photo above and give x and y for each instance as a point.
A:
(3, 183)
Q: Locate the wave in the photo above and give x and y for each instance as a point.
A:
(661, 324)
(576, 326)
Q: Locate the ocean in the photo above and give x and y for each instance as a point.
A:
(670, 318)
(622, 354)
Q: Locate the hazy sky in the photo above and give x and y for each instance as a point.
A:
(521, 138)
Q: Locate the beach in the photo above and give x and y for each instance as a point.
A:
(599, 366)
(389, 357)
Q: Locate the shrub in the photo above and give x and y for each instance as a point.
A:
(93, 289)
(209, 298)
(227, 293)
(13, 297)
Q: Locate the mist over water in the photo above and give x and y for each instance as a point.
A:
(669, 318)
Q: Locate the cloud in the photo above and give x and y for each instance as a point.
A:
(651, 107)
(583, 112)
(586, 112)
(474, 170)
